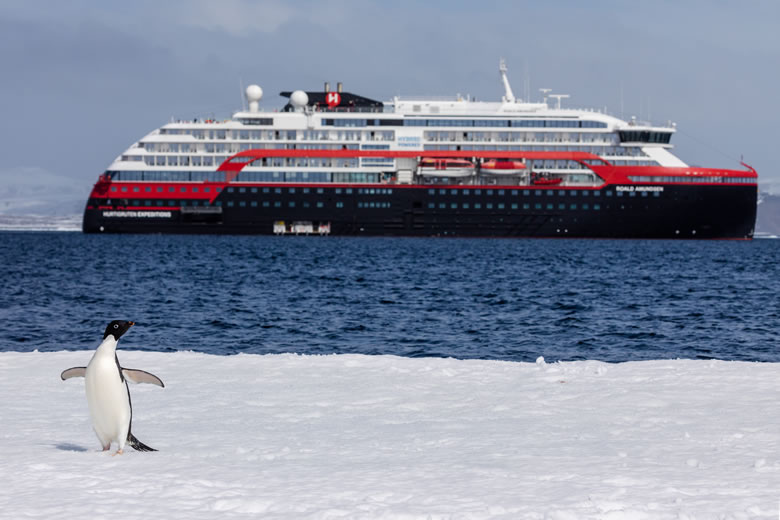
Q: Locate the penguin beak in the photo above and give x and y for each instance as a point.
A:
(131, 323)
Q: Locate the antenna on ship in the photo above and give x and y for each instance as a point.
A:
(509, 97)
(558, 97)
(544, 92)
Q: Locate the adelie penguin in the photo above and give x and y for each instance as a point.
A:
(108, 395)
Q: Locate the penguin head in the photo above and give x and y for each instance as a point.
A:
(117, 328)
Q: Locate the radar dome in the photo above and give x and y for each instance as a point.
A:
(253, 93)
(299, 99)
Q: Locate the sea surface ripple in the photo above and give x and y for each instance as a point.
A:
(611, 300)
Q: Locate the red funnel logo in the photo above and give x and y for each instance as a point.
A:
(333, 99)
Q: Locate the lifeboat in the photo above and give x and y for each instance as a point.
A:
(544, 180)
(498, 167)
(445, 167)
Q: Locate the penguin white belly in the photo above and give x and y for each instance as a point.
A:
(109, 402)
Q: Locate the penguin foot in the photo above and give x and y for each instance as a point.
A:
(118, 452)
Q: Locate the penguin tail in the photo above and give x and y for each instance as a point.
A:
(136, 444)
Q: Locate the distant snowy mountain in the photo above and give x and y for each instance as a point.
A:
(34, 191)
(768, 218)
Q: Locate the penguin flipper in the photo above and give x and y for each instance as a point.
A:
(73, 372)
(136, 444)
(142, 376)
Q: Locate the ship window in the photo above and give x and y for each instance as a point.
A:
(632, 194)
(514, 205)
(194, 189)
(230, 204)
(306, 190)
(526, 205)
(442, 192)
(113, 188)
(348, 191)
(620, 194)
(253, 203)
(561, 206)
(183, 189)
(292, 190)
(561, 193)
(454, 205)
(549, 206)
(453, 192)
(148, 189)
(320, 204)
(573, 193)
(171, 189)
(466, 192)
(585, 193)
(538, 193)
(609, 193)
(147, 203)
(489, 192)
(218, 203)
(596, 206)
(585, 206)
(242, 203)
(320, 191)
(205, 190)
(431, 205)
(550, 193)
(338, 191)
(230, 190)
(266, 190)
(136, 189)
(431, 192)
(277, 190)
(526, 192)
(465, 205)
(477, 192)
(442, 205)
(538, 205)
(124, 188)
(477, 205)
(242, 190)
(500, 192)
(500, 205)
(292, 203)
(339, 204)
(644, 194)
(489, 205)
(572, 206)
(656, 194)
(277, 204)
(266, 203)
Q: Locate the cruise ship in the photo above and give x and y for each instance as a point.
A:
(332, 162)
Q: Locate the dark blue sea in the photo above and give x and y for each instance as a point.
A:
(610, 300)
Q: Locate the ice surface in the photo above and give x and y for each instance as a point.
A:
(287, 436)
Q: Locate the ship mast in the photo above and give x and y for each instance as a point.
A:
(509, 97)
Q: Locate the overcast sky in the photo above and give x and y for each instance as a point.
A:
(83, 79)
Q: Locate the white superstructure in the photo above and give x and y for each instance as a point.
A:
(192, 150)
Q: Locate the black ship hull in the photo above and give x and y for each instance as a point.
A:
(693, 211)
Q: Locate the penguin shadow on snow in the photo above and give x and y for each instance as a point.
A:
(108, 394)
(67, 446)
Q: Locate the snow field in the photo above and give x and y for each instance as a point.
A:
(350, 436)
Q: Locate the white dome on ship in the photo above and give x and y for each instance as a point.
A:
(253, 93)
(299, 99)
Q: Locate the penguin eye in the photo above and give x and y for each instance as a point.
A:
(116, 326)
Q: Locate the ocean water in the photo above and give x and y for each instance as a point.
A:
(611, 300)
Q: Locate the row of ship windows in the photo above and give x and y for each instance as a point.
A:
(538, 193)
(248, 176)
(386, 191)
(517, 123)
(525, 205)
(201, 133)
(387, 136)
(360, 204)
(731, 180)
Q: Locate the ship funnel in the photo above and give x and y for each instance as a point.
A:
(253, 95)
(327, 86)
(339, 87)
